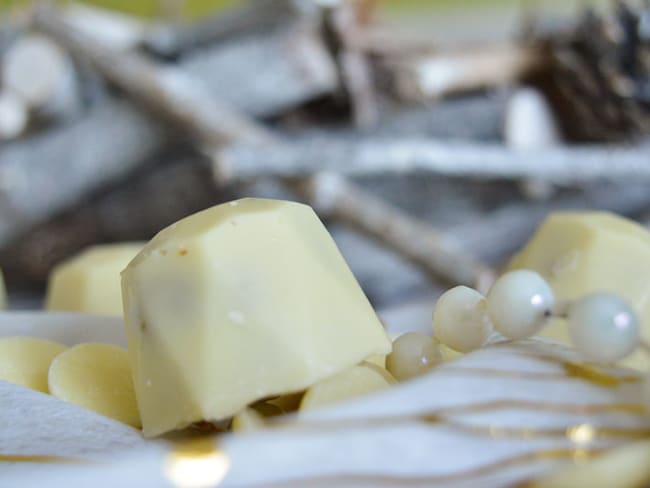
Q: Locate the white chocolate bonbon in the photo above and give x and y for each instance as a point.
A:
(240, 302)
(90, 281)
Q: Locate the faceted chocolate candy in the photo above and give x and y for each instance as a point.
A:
(240, 302)
(90, 281)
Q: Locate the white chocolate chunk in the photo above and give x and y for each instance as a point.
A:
(357, 381)
(97, 377)
(3, 292)
(579, 253)
(25, 361)
(240, 302)
(90, 281)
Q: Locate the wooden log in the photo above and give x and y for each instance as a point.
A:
(38, 71)
(52, 171)
(565, 166)
(267, 73)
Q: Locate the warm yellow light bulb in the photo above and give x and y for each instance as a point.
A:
(581, 434)
(199, 464)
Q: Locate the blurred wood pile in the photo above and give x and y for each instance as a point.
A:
(430, 165)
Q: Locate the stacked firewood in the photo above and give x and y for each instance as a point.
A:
(431, 165)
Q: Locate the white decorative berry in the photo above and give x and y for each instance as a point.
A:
(519, 303)
(603, 327)
(413, 355)
(460, 319)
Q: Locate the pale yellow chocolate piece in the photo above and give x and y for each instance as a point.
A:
(357, 381)
(25, 361)
(90, 281)
(3, 292)
(97, 377)
(623, 467)
(247, 420)
(240, 302)
(583, 252)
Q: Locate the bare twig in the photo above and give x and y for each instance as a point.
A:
(342, 27)
(374, 155)
(437, 254)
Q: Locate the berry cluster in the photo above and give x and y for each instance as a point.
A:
(602, 326)
(520, 303)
